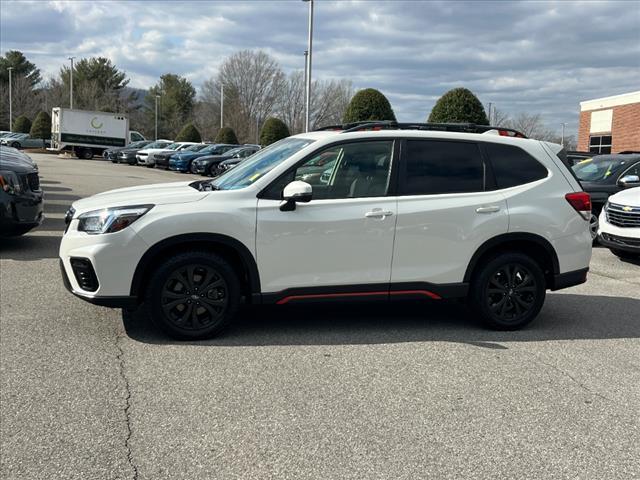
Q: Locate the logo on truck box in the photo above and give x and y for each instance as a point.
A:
(95, 123)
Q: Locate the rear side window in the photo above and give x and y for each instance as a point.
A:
(436, 167)
(513, 166)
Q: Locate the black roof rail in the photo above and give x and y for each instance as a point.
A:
(443, 127)
(329, 127)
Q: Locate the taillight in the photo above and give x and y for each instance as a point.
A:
(581, 202)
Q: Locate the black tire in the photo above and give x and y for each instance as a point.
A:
(508, 291)
(177, 287)
(16, 145)
(86, 153)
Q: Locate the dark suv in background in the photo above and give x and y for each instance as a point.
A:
(21, 204)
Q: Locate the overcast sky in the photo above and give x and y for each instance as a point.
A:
(535, 56)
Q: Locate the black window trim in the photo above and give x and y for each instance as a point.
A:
(487, 170)
(392, 186)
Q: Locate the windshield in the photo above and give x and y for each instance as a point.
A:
(599, 168)
(141, 143)
(157, 145)
(260, 163)
(173, 146)
(196, 148)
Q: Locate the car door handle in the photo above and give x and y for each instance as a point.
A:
(488, 209)
(378, 213)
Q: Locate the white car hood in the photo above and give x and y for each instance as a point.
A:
(152, 150)
(630, 197)
(156, 194)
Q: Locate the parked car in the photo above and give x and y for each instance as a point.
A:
(112, 153)
(164, 156)
(148, 158)
(208, 164)
(452, 214)
(574, 157)
(175, 147)
(24, 140)
(181, 161)
(140, 156)
(604, 175)
(21, 198)
(619, 228)
(226, 165)
(5, 133)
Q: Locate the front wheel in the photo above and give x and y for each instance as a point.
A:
(508, 292)
(16, 145)
(194, 295)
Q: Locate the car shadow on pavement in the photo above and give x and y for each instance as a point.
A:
(564, 317)
(29, 247)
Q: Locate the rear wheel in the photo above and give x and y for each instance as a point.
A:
(194, 295)
(16, 145)
(593, 227)
(508, 291)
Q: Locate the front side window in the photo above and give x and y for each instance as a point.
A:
(436, 167)
(350, 170)
(600, 144)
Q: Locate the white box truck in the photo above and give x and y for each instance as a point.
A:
(89, 133)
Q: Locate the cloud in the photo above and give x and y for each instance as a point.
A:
(538, 57)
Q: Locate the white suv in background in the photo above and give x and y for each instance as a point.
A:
(619, 224)
(405, 211)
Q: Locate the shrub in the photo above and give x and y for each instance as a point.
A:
(41, 127)
(226, 135)
(459, 106)
(368, 104)
(189, 133)
(273, 130)
(21, 125)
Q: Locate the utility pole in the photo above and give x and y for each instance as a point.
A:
(157, 98)
(71, 84)
(257, 130)
(562, 137)
(10, 101)
(221, 105)
(308, 63)
(490, 105)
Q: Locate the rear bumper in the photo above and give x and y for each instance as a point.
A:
(569, 279)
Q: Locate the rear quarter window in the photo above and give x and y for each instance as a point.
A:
(513, 166)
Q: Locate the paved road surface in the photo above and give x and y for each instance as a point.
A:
(406, 392)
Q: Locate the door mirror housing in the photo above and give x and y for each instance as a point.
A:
(293, 193)
(629, 181)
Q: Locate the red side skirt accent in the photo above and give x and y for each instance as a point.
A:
(319, 296)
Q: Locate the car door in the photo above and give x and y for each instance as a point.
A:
(445, 211)
(343, 237)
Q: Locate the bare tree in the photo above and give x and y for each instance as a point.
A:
(531, 125)
(252, 82)
(499, 118)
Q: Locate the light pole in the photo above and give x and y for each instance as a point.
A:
(71, 84)
(562, 137)
(308, 69)
(221, 105)
(157, 97)
(490, 105)
(10, 101)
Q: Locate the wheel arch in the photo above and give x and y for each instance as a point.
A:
(230, 248)
(535, 245)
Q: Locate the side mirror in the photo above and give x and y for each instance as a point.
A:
(629, 181)
(293, 193)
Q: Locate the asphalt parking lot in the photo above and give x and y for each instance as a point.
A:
(378, 392)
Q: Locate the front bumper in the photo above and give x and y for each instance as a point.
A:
(182, 166)
(626, 239)
(20, 213)
(112, 302)
(199, 168)
(112, 256)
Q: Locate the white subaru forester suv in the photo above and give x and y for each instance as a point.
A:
(399, 211)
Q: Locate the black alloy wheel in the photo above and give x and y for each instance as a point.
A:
(194, 295)
(509, 291)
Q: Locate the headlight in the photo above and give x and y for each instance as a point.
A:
(110, 220)
(9, 182)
